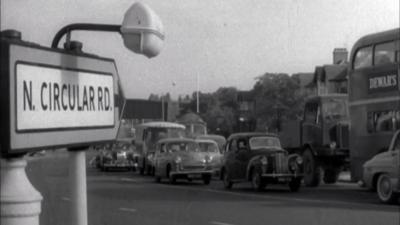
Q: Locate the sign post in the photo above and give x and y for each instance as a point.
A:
(51, 98)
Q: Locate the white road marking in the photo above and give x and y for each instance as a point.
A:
(65, 199)
(128, 179)
(219, 223)
(127, 210)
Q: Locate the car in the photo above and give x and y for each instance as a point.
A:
(147, 136)
(221, 140)
(382, 172)
(211, 147)
(119, 154)
(260, 159)
(177, 158)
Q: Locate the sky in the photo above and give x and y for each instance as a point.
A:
(222, 42)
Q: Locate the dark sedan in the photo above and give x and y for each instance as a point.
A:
(260, 159)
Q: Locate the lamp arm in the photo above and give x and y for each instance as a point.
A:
(83, 26)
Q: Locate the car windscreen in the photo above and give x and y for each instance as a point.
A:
(208, 147)
(264, 142)
(182, 147)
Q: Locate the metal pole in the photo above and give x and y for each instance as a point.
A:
(162, 107)
(197, 94)
(77, 186)
(20, 202)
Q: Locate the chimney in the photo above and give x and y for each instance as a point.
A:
(340, 55)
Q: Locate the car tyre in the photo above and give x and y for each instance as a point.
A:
(331, 176)
(158, 179)
(385, 190)
(257, 181)
(227, 182)
(312, 171)
(295, 184)
(206, 179)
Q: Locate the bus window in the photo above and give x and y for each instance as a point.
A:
(384, 53)
(363, 58)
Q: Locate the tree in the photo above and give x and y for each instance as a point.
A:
(277, 98)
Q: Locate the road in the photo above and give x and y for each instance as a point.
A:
(123, 197)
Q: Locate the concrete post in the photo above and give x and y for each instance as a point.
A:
(77, 187)
(20, 202)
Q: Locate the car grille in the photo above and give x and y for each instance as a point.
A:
(280, 162)
(193, 168)
(344, 136)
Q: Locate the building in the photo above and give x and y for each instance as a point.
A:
(331, 78)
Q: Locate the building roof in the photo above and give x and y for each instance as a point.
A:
(329, 72)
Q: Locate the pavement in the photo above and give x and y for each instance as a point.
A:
(123, 197)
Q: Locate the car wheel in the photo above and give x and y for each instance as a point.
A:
(158, 179)
(384, 189)
(331, 176)
(257, 182)
(295, 184)
(206, 179)
(227, 182)
(171, 178)
(311, 169)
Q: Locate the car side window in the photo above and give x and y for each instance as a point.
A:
(242, 144)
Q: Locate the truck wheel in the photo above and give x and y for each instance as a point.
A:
(331, 176)
(385, 190)
(311, 169)
(257, 182)
(227, 182)
(294, 184)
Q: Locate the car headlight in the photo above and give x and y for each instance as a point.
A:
(207, 159)
(150, 156)
(332, 145)
(178, 160)
(264, 160)
(299, 160)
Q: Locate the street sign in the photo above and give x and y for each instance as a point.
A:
(51, 98)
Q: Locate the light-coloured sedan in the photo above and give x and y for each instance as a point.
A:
(211, 147)
(177, 158)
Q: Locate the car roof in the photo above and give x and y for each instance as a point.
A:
(206, 141)
(251, 134)
(169, 140)
(162, 125)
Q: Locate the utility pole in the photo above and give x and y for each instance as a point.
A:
(197, 94)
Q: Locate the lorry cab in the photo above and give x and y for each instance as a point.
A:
(325, 121)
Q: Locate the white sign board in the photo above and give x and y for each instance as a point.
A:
(53, 98)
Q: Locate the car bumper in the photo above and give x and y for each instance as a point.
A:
(120, 164)
(197, 172)
(281, 175)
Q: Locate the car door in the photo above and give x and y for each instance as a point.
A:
(242, 158)
(229, 158)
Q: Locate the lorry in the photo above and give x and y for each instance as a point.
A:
(321, 137)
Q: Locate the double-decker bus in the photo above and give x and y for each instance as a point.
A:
(374, 96)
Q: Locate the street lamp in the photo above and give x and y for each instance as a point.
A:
(142, 30)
